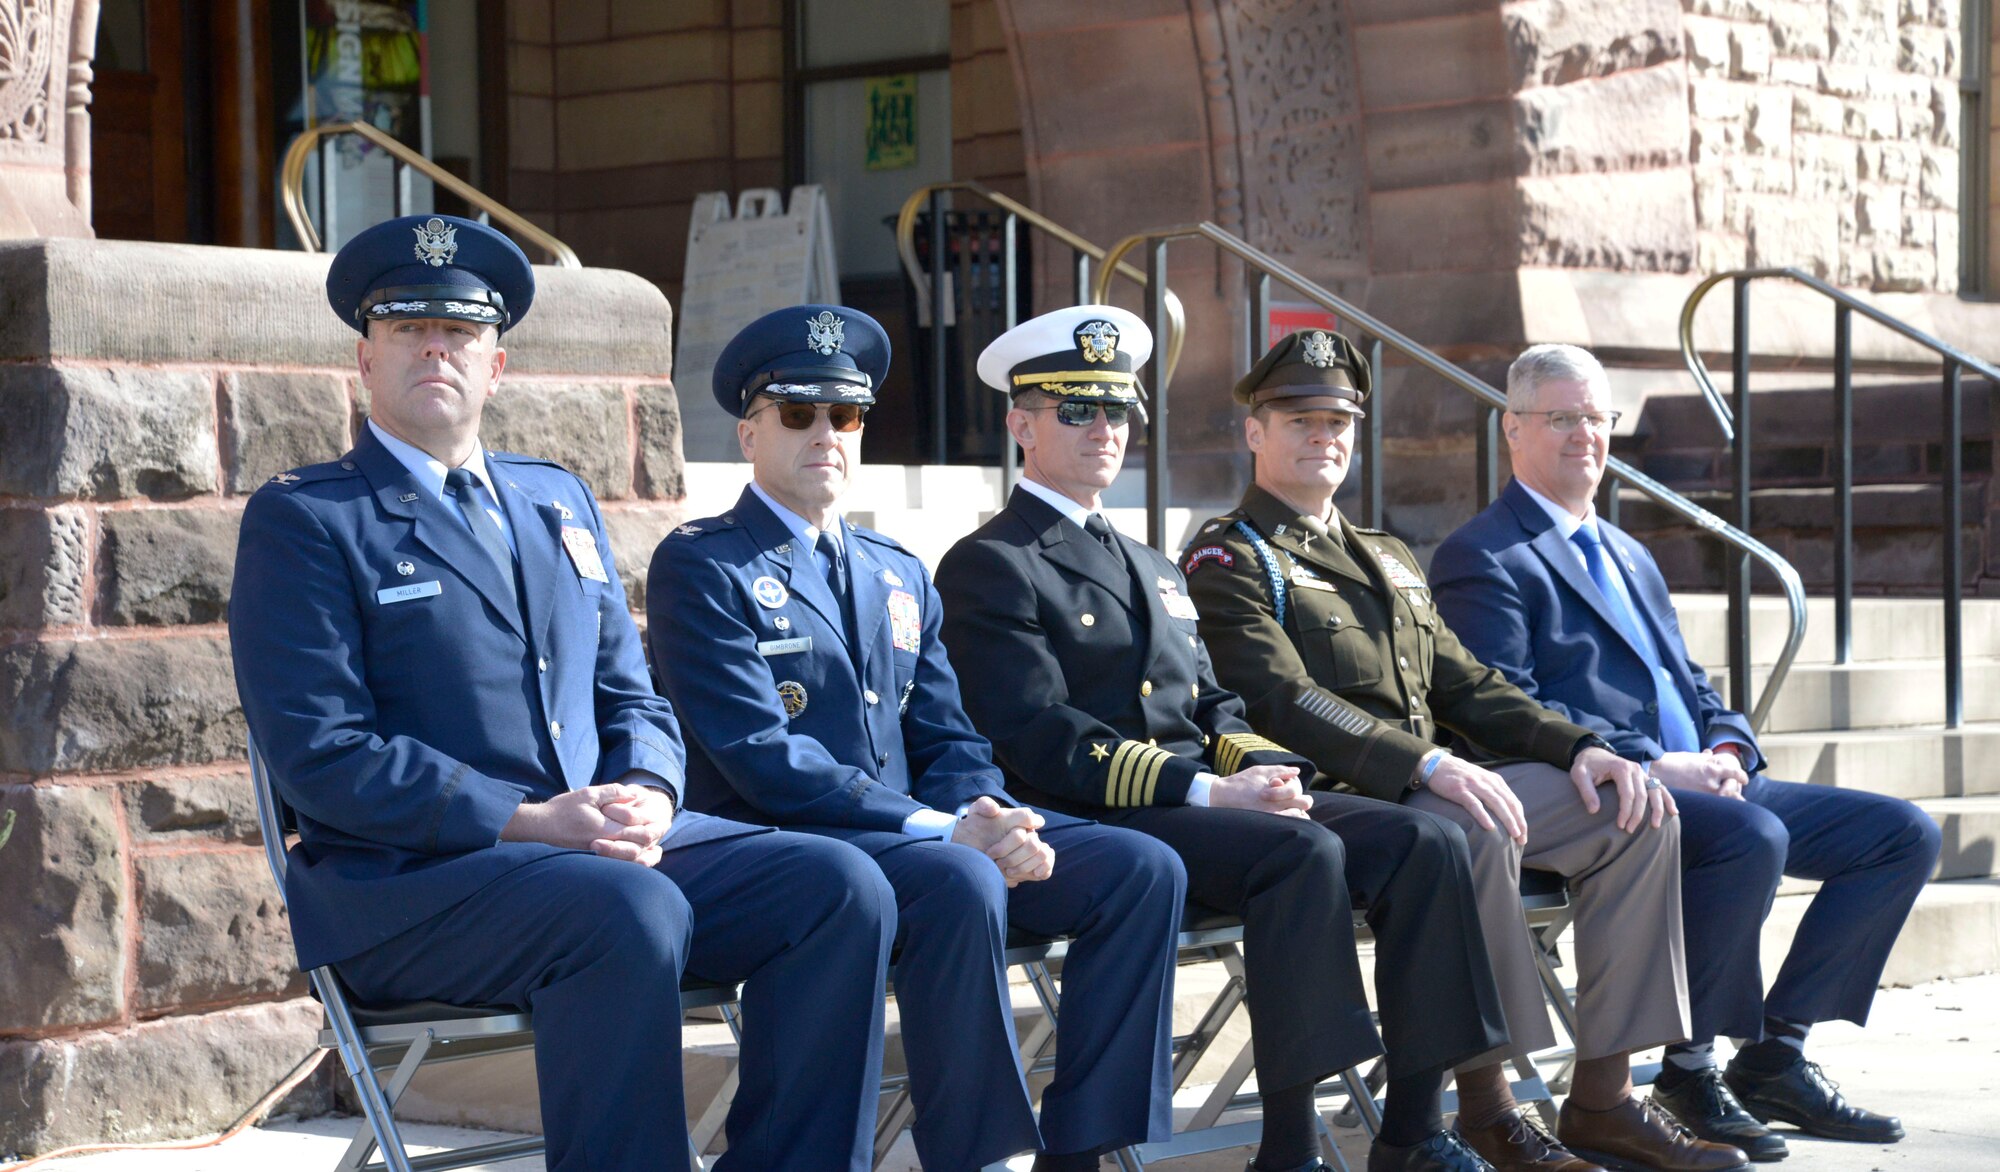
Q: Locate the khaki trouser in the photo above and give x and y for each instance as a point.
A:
(1631, 989)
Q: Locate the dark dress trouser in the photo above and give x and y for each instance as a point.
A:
(1872, 855)
(1295, 883)
(1119, 896)
(595, 949)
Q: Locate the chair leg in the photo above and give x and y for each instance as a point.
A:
(364, 1143)
(374, 1107)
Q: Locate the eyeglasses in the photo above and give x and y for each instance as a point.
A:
(1564, 422)
(1078, 414)
(802, 416)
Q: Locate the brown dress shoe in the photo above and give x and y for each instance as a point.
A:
(1513, 1144)
(1639, 1136)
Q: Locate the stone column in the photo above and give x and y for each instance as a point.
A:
(45, 52)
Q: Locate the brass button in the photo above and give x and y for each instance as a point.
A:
(1088, 620)
(1399, 622)
(1413, 703)
(1146, 688)
(1336, 620)
(1403, 661)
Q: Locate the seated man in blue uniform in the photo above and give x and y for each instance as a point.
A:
(804, 650)
(1576, 613)
(434, 654)
(1100, 700)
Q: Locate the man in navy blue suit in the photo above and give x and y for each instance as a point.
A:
(804, 650)
(1577, 614)
(434, 653)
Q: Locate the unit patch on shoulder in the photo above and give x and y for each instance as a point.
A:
(1207, 553)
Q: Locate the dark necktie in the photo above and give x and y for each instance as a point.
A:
(1677, 727)
(1098, 527)
(836, 581)
(464, 488)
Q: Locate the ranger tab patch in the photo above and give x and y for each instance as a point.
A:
(1207, 553)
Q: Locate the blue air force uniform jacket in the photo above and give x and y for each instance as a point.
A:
(407, 706)
(750, 644)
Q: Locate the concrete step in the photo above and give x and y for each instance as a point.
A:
(1884, 628)
(1971, 830)
(1954, 931)
(1915, 763)
(1878, 695)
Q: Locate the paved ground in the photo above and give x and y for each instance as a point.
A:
(1931, 1054)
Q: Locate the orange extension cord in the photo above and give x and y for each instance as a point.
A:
(248, 1119)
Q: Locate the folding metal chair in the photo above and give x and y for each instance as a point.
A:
(401, 1038)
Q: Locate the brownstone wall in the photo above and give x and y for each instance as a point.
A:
(147, 982)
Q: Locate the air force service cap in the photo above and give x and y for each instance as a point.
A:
(1089, 353)
(430, 266)
(1309, 363)
(805, 354)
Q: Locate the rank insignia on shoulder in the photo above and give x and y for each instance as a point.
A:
(1211, 527)
(687, 530)
(1099, 752)
(284, 478)
(1207, 553)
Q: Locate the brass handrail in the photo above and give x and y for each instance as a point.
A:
(1719, 407)
(1788, 577)
(293, 188)
(906, 248)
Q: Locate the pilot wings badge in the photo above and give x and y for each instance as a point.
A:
(1320, 349)
(823, 333)
(437, 242)
(1098, 340)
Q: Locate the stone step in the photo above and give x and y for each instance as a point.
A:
(1884, 628)
(1878, 695)
(1954, 931)
(1971, 830)
(1916, 763)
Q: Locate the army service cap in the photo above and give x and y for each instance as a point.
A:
(430, 266)
(805, 354)
(1309, 363)
(1090, 353)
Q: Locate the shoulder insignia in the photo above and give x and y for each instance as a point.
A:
(285, 478)
(332, 470)
(1372, 532)
(687, 530)
(1207, 553)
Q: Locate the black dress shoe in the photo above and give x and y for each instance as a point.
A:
(1802, 1095)
(1443, 1152)
(1704, 1105)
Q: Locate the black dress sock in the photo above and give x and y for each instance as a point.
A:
(1410, 1110)
(1291, 1129)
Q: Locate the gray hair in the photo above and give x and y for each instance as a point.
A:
(1547, 363)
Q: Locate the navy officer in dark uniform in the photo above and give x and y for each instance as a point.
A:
(804, 650)
(435, 656)
(1100, 699)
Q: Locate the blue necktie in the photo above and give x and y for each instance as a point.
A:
(836, 581)
(464, 488)
(1677, 728)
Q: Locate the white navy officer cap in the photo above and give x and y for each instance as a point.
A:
(1090, 353)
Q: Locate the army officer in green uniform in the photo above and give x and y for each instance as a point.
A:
(1328, 633)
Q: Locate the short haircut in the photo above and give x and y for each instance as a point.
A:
(1031, 398)
(1547, 363)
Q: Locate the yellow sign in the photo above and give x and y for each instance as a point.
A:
(892, 122)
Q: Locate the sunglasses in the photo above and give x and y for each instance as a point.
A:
(802, 416)
(1077, 414)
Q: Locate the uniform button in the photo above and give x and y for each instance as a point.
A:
(555, 729)
(1403, 661)
(347, 465)
(1652, 707)
(1193, 642)
(1413, 703)
(870, 696)
(1336, 620)
(1196, 689)
(1399, 622)
(883, 759)
(542, 664)
(1088, 620)
(1146, 687)
(1153, 741)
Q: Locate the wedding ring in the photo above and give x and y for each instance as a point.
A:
(1653, 783)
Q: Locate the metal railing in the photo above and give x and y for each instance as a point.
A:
(1734, 417)
(404, 159)
(1262, 269)
(1169, 330)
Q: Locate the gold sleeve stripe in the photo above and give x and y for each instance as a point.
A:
(1133, 774)
(1231, 748)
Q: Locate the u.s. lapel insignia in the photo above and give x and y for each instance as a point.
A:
(769, 592)
(405, 569)
(407, 497)
(437, 242)
(782, 547)
(1278, 531)
(793, 695)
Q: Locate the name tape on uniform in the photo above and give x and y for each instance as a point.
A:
(785, 646)
(406, 593)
